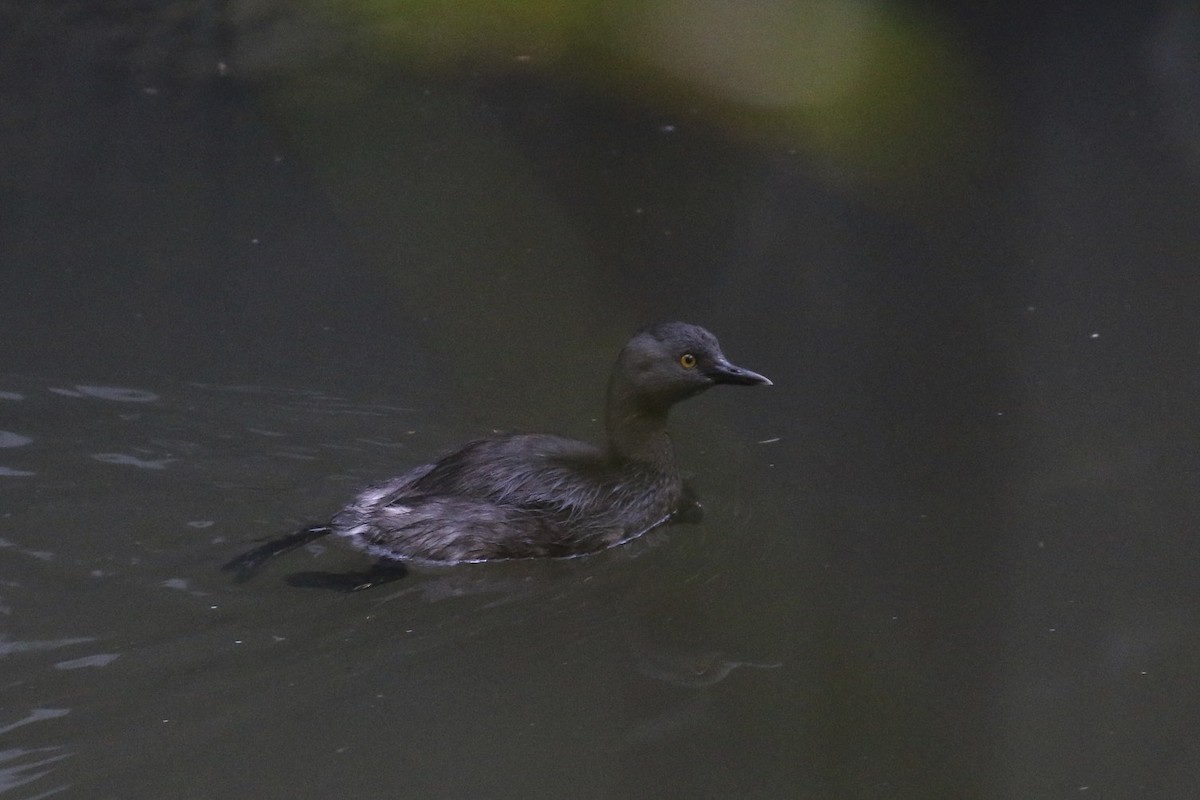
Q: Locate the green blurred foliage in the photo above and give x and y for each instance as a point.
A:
(880, 94)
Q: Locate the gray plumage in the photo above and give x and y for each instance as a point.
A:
(540, 495)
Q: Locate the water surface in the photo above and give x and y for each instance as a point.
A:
(253, 257)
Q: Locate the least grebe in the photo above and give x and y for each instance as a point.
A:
(539, 495)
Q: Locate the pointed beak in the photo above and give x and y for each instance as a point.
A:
(724, 372)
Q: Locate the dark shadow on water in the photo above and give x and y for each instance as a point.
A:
(378, 574)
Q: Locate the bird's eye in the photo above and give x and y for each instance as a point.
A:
(687, 361)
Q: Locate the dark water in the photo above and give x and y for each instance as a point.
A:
(253, 257)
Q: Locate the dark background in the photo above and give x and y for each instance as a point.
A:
(951, 553)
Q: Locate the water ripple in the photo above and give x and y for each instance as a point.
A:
(15, 473)
(8, 648)
(97, 660)
(10, 439)
(119, 394)
(36, 715)
(133, 461)
(13, 773)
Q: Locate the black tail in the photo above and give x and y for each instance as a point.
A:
(247, 565)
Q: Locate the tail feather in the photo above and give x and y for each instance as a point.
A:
(248, 564)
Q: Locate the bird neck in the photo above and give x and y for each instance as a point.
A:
(637, 431)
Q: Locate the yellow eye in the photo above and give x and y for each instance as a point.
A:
(687, 361)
